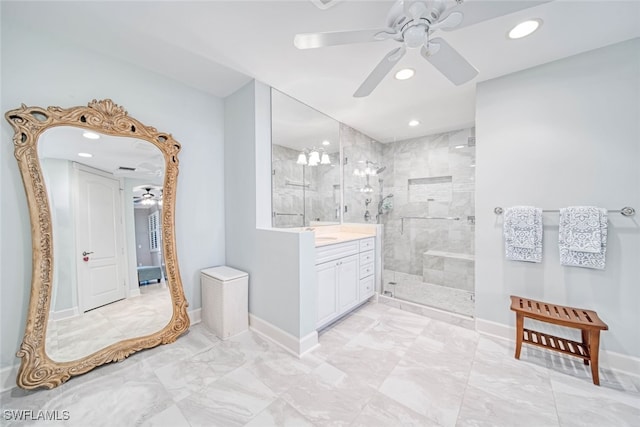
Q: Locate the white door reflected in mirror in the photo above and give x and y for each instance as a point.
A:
(108, 282)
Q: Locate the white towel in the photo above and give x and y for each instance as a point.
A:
(582, 236)
(523, 233)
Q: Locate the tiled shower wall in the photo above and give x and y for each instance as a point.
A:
(430, 176)
(358, 148)
(321, 191)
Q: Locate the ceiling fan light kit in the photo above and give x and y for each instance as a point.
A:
(411, 24)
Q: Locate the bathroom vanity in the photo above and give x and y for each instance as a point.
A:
(345, 264)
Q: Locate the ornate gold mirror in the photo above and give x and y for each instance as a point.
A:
(101, 189)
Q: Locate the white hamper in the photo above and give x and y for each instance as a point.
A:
(225, 300)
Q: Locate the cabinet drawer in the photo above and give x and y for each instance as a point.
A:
(366, 288)
(367, 270)
(367, 244)
(339, 250)
(366, 257)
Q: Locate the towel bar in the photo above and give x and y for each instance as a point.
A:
(626, 211)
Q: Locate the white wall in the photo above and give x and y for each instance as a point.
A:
(58, 176)
(280, 263)
(561, 134)
(40, 70)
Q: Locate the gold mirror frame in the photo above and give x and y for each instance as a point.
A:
(36, 368)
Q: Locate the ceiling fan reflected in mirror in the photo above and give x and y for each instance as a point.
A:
(411, 24)
(147, 198)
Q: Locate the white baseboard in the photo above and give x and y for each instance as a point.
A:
(608, 359)
(8, 377)
(294, 345)
(134, 293)
(64, 314)
(195, 316)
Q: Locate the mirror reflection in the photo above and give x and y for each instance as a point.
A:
(109, 279)
(305, 164)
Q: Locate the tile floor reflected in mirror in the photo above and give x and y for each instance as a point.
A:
(76, 337)
(380, 366)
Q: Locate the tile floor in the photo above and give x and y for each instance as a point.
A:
(409, 287)
(380, 366)
(75, 337)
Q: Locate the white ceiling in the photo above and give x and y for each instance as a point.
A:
(110, 153)
(217, 46)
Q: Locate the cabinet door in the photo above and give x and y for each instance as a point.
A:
(348, 283)
(327, 292)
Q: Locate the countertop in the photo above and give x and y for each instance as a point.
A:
(323, 239)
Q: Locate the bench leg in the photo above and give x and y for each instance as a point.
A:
(585, 343)
(594, 347)
(519, 333)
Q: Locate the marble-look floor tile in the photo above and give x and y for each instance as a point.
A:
(126, 397)
(432, 394)
(384, 412)
(279, 414)
(170, 417)
(233, 400)
(522, 384)
(328, 396)
(484, 409)
(279, 371)
(581, 403)
(378, 367)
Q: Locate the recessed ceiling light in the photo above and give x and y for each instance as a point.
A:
(90, 135)
(414, 123)
(405, 73)
(472, 166)
(459, 146)
(525, 28)
(325, 143)
(85, 155)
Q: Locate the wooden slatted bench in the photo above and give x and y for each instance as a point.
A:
(585, 320)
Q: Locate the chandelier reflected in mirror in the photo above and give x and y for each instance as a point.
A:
(313, 157)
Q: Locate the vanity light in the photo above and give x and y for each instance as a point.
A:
(302, 159)
(414, 123)
(314, 158)
(524, 29)
(90, 135)
(85, 155)
(405, 74)
(325, 160)
(325, 143)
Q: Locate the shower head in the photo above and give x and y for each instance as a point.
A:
(380, 169)
(388, 196)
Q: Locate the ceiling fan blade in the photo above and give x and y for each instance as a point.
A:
(324, 4)
(479, 11)
(378, 73)
(314, 40)
(450, 22)
(448, 61)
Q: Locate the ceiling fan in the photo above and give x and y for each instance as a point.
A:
(411, 24)
(148, 198)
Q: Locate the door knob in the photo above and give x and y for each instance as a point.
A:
(85, 253)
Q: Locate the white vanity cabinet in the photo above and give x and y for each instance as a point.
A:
(345, 277)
